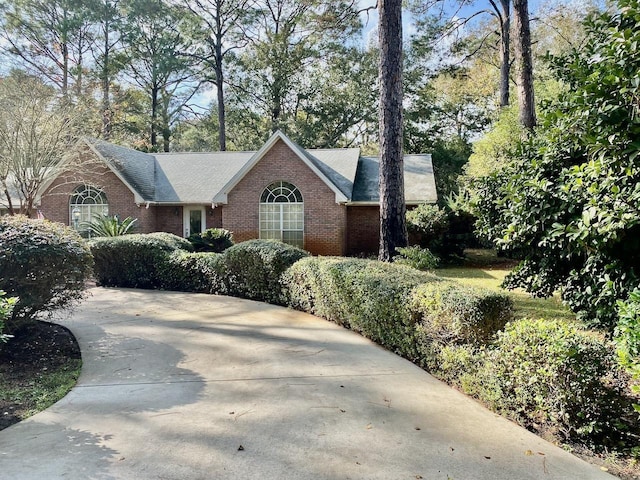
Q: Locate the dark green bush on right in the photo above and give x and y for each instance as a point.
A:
(253, 269)
(212, 240)
(135, 261)
(552, 375)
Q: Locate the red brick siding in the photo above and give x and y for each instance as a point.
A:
(55, 200)
(325, 221)
(364, 230)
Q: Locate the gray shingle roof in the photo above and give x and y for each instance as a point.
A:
(196, 178)
(419, 182)
(137, 168)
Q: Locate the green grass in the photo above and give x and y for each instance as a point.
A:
(484, 269)
(42, 390)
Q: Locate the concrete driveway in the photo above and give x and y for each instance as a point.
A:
(190, 386)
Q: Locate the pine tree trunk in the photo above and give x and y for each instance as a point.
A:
(505, 65)
(393, 228)
(524, 63)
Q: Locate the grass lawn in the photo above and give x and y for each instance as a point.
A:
(484, 269)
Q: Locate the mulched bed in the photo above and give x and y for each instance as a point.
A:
(37, 348)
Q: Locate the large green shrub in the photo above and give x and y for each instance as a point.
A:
(212, 240)
(567, 200)
(553, 375)
(136, 260)
(253, 269)
(448, 314)
(416, 257)
(194, 272)
(367, 296)
(43, 263)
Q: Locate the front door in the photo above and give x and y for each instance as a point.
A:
(194, 220)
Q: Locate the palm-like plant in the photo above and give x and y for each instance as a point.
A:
(108, 226)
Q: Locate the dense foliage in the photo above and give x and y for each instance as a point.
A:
(135, 260)
(212, 240)
(553, 375)
(6, 307)
(394, 305)
(253, 269)
(43, 263)
(568, 201)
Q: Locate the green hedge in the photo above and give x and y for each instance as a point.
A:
(135, 261)
(552, 375)
(253, 269)
(193, 272)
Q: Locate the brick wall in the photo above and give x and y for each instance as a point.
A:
(55, 200)
(324, 220)
(364, 230)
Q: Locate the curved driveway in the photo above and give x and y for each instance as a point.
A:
(186, 386)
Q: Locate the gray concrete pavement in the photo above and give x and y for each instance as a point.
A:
(188, 386)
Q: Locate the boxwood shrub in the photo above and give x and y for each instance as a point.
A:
(367, 296)
(252, 269)
(193, 272)
(553, 375)
(135, 261)
(45, 264)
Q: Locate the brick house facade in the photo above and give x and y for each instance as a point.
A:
(325, 199)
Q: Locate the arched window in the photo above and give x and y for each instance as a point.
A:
(282, 214)
(85, 202)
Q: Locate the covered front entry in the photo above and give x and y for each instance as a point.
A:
(194, 220)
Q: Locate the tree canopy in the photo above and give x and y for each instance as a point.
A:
(568, 200)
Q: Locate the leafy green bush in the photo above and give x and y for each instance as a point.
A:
(135, 260)
(449, 315)
(553, 375)
(627, 332)
(367, 296)
(429, 223)
(212, 240)
(416, 257)
(43, 263)
(253, 269)
(106, 226)
(445, 232)
(6, 307)
(566, 200)
(201, 272)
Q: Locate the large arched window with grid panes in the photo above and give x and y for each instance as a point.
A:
(85, 202)
(282, 214)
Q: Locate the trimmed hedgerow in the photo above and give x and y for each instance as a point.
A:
(367, 296)
(552, 375)
(252, 269)
(134, 261)
(193, 272)
(43, 263)
(411, 312)
(448, 314)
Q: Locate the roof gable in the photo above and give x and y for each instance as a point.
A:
(135, 169)
(309, 160)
